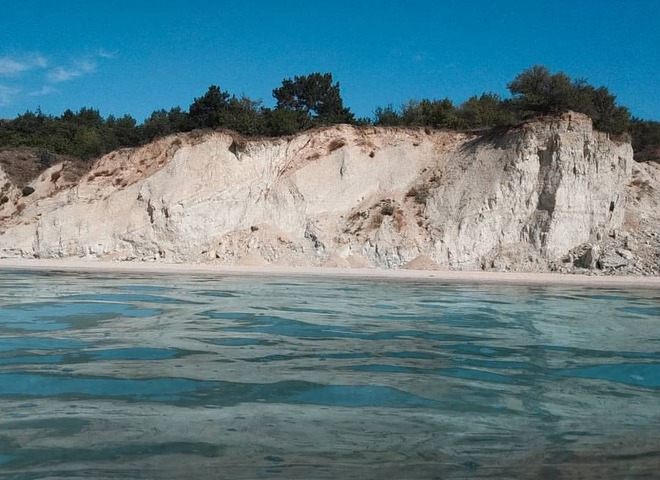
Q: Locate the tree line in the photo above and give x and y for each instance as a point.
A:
(314, 100)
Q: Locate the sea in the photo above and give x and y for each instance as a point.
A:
(141, 376)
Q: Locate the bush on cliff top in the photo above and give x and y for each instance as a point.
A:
(314, 100)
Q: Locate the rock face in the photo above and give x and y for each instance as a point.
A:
(520, 199)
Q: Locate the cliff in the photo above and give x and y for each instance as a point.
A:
(537, 197)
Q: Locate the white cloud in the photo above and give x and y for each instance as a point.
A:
(45, 90)
(12, 66)
(9, 66)
(77, 69)
(32, 74)
(106, 54)
(39, 60)
(7, 95)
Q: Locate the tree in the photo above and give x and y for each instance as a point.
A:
(606, 115)
(179, 120)
(161, 123)
(157, 125)
(218, 109)
(89, 117)
(316, 96)
(432, 113)
(125, 130)
(536, 91)
(280, 122)
(488, 110)
(645, 140)
(30, 123)
(387, 116)
(206, 110)
(243, 115)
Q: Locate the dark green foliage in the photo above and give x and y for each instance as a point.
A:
(157, 125)
(363, 122)
(218, 109)
(431, 113)
(603, 110)
(123, 130)
(244, 116)
(483, 112)
(419, 113)
(206, 111)
(83, 134)
(645, 140)
(280, 122)
(387, 117)
(162, 123)
(179, 120)
(316, 96)
(535, 92)
(538, 92)
(314, 100)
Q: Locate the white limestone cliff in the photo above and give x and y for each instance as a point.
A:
(339, 196)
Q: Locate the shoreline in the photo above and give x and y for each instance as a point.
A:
(432, 276)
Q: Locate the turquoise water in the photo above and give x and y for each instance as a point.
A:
(163, 376)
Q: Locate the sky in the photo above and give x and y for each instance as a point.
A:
(134, 57)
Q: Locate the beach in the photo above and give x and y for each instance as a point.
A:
(439, 276)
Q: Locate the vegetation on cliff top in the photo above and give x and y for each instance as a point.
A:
(314, 100)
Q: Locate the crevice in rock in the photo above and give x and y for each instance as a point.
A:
(150, 211)
(233, 148)
(547, 183)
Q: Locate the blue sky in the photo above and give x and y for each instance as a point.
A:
(135, 57)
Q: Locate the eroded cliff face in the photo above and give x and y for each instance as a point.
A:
(341, 196)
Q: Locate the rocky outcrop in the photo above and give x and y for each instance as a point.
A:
(635, 247)
(520, 199)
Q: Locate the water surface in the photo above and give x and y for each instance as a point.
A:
(157, 376)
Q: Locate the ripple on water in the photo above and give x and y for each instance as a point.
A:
(110, 453)
(645, 375)
(10, 344)
(360, 396)
(469, 376)
(49, 316)
(584, 354)
(32, 359)
(155, 389)
(144, 288)
(653, 312)
(288, 327)
(239, 342)
(143, 353)
(218, 293)
(195, 392)
(128, 298)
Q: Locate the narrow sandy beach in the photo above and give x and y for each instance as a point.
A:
(439, 276)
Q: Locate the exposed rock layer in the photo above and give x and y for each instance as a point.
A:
(525, 199)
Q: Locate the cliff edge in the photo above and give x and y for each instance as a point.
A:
(550, 195)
